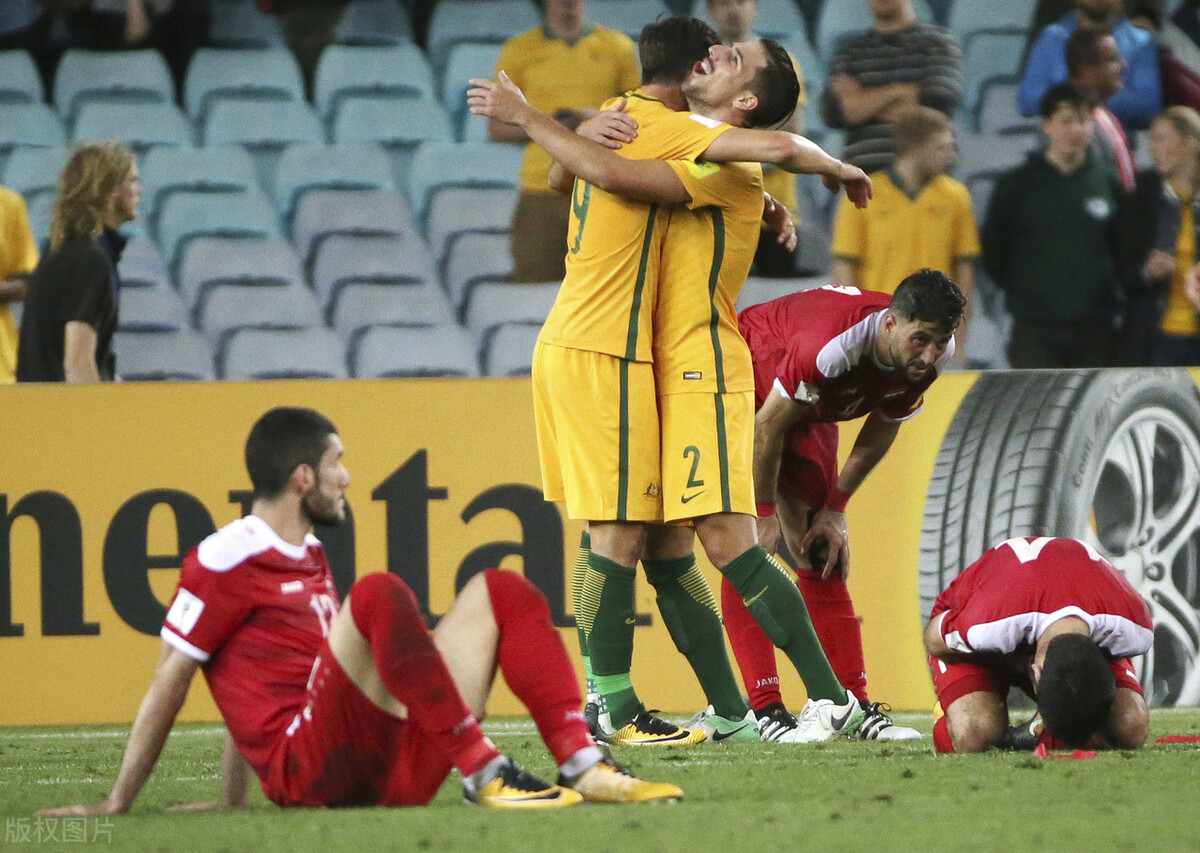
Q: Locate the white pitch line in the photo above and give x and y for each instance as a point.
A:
(113, 733)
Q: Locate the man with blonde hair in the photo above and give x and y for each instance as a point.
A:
(71, 308)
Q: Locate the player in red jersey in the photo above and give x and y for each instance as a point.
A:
(358, 704)
(821, 356)
(1052, 617)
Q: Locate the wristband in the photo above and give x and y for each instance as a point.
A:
(765, 510)
(836, 500)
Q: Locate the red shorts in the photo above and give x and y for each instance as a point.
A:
(809, 465)
(952, 681)
(342, 750)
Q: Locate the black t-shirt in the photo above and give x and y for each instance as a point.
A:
(75, 282)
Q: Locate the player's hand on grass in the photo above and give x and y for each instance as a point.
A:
(779, 219)
(212, 805)
(829, 526)
(500, 99)
(611, 128)
(105, 808)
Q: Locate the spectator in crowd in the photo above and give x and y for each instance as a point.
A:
(71, 307)
(18, 257)
(1050, 243)
(25, 25)
(734, 23)
(919, 218)
(566, 67)
(1094, 65)
(1137, 102)
(877, 75)
(1161, 325)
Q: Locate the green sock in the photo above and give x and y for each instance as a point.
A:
(608, 613)
(777, 606)
(581, 565)
(690, 613)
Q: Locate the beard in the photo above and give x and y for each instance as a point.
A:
(320, 508)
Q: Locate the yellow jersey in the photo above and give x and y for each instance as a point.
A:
(707, 253)
(1179, 317)
(18, 254)
(606, 300)
(898, 234)
(556, 74)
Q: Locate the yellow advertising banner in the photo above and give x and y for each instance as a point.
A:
(103, 489)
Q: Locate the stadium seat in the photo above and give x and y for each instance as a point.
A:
(473, 257)
(303, 168)
(457, 210)
(399, 126)
(839, 17)
(363, 212)
(981, 186)
(262, 123)
(343, 259)
(812, 69)
(466, 60)
(997, 110)
(230, 73)
(41, 208)
(239, 23)
(508, 350)
(186, 215)
(360, 304)
(33, 170)
(439, 165)
(413, 351)
(777, 18)
(30, 124)
(209, 261)
(142, 266)
(147, 356)
(374, 22)
(628, 16)
(973, 16)
(282, 354)
(345, 71)
(19, 80)
(126, 75)
(226, 306)
(758, 290)
(989, 56)
(492, 303)
(455, 21)
(214, 168)
(151, 309)
(990, 154)
(140, 126)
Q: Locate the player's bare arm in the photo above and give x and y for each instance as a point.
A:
(172, 678)
(610, 128)
(771, 422)
(934, 644)
(779, 219)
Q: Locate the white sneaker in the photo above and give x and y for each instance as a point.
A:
(877, 725)
(823, 720)
(777, 725)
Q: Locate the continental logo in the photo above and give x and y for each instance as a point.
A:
(701, 170)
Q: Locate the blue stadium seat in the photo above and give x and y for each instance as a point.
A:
(187, 215)
(757, 290)
(128, 75)
(627, 16)
(255, 123)
(138, 125)
(989, 56)
(437, 165)
(151, 309)
(396, 71)
(990, 154)
(455, 21)
(398, 126)
(778, 18)
(225, 73)
(464, 61)
(226, 306)
(214, 168)
(360, 304)
(314, 353)
(839, 17)
(30, 124)
(141, 266)
(508, 349)
(322, 213)
(345, 259)
(974, 16)
(474, 257)
(996, 111)
(303, 168)
(239, 23)
(493, 303)
(211, 261)
(155, 356)
(19, 80)
(30, 170)
(413, 351)
(374, 22)
(457, 210)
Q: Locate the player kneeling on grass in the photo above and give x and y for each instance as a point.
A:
(1056, 619)
(359, 704)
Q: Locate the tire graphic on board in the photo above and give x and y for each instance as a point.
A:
(1110, 457)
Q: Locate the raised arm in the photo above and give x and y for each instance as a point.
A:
(155, 717)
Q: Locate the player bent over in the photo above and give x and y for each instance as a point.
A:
(1052, 617)
(357, 705)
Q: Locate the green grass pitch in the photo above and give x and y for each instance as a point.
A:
(847, 795)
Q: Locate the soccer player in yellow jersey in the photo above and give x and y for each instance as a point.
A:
(739, 84)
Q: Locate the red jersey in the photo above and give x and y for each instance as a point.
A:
(817, 347)
(1004, 601)
(254, 611)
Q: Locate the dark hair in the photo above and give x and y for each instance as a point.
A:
(929, 296)
(1083, 48)
(1064, 95)
(1077, 689)
(668, 49)
(282, 439)
(776, 87)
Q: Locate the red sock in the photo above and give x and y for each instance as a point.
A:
(755, 653)
(941, 736)
(535, 663)
(837, 628)
(386, 612)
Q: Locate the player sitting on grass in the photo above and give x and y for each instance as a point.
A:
(1056, 619)
(359, 704)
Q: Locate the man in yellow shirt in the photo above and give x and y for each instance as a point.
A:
(567, 67)
(18, 258)
(580, 437)
(920, 218)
